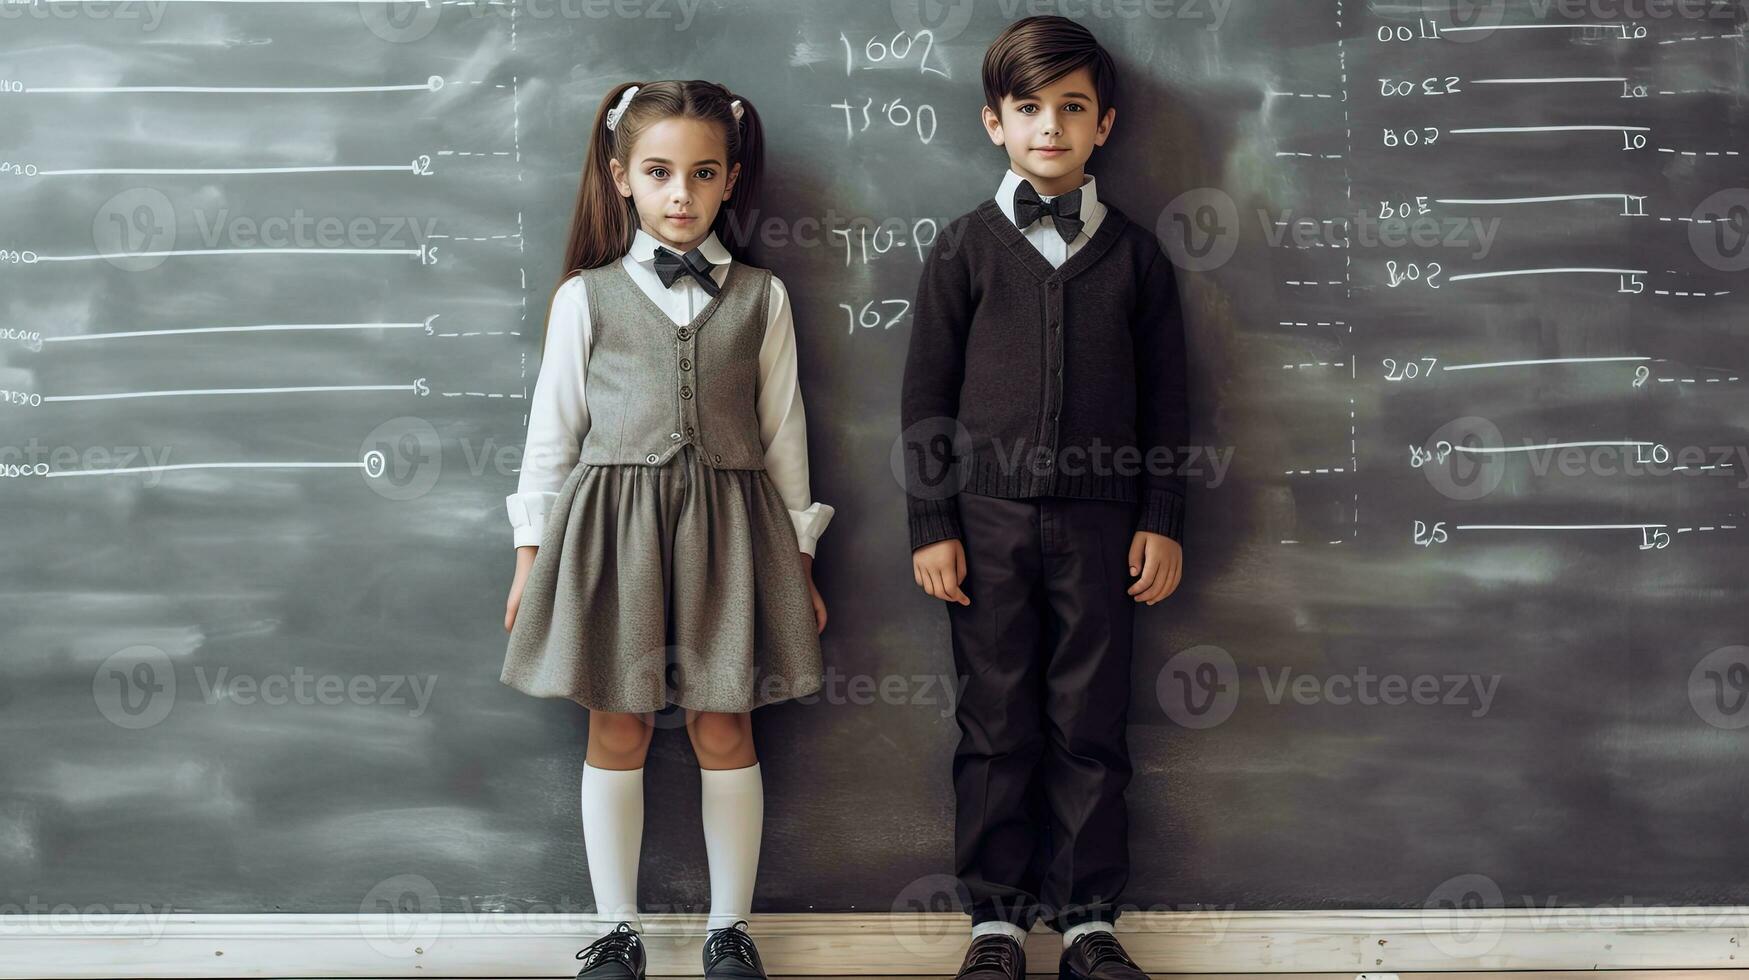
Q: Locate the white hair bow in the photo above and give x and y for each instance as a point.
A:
(619, 110)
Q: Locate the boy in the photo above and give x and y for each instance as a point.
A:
(1044, 396)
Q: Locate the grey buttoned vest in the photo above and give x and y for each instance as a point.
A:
(652, 387)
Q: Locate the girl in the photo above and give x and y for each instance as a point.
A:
(664, 530)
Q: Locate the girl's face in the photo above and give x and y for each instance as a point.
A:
(678, 180)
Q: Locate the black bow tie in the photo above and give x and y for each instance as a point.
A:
(671, 267)
(1064, 209)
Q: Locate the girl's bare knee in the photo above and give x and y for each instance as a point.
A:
(721, 741)
(618, 740)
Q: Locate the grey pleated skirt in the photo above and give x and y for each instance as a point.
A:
(673, 584)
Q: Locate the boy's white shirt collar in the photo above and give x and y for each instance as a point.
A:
(644, 248)
(1011, 182)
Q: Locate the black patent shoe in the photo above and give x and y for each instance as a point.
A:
(994, 957)
(1098, 956)
(619, 955)
(729, 954)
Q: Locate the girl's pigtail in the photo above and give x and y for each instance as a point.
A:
(735, 224)
(604, 223)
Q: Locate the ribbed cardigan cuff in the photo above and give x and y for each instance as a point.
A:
(1162, 512)
(933, 520)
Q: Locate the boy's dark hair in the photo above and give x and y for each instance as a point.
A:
(1036, 51)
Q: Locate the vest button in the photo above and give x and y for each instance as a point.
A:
(684, 334)
(651, 458)
(686, 390)
(685, 364)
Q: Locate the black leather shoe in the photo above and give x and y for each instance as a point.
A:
(729, 954)
(1097, 955)
(994, 957)
(619, 955)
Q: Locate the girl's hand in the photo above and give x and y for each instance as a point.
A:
(524, 561)
(814, 593)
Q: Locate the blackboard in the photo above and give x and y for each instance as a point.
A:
(294, 259)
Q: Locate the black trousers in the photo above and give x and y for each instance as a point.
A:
(1040, 829)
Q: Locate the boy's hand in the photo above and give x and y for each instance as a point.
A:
(939, 569)
(814, 593)
(1159, 560)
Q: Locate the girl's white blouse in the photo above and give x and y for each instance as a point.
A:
(558, 416)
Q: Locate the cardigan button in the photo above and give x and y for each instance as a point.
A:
(685, 364)
(651, 458)
(717, 457)
(689, 430)
(674, 436)
(684, 334)
(686, 390)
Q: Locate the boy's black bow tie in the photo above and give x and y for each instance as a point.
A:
(1064, 209)
(671, 267)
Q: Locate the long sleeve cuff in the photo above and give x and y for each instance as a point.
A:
(1162, 513)
(528, 515)
(810, 524)
(933, 520)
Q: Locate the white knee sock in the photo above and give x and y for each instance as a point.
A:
(613, 830)
(1075, 932)
(733, 810)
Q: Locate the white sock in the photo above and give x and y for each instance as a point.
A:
(999, 926)
(613, 830)
(1076, 932)
(733, 811)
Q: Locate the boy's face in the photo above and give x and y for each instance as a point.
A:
(1050, 134)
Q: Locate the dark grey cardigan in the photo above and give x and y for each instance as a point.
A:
(1024, 380)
